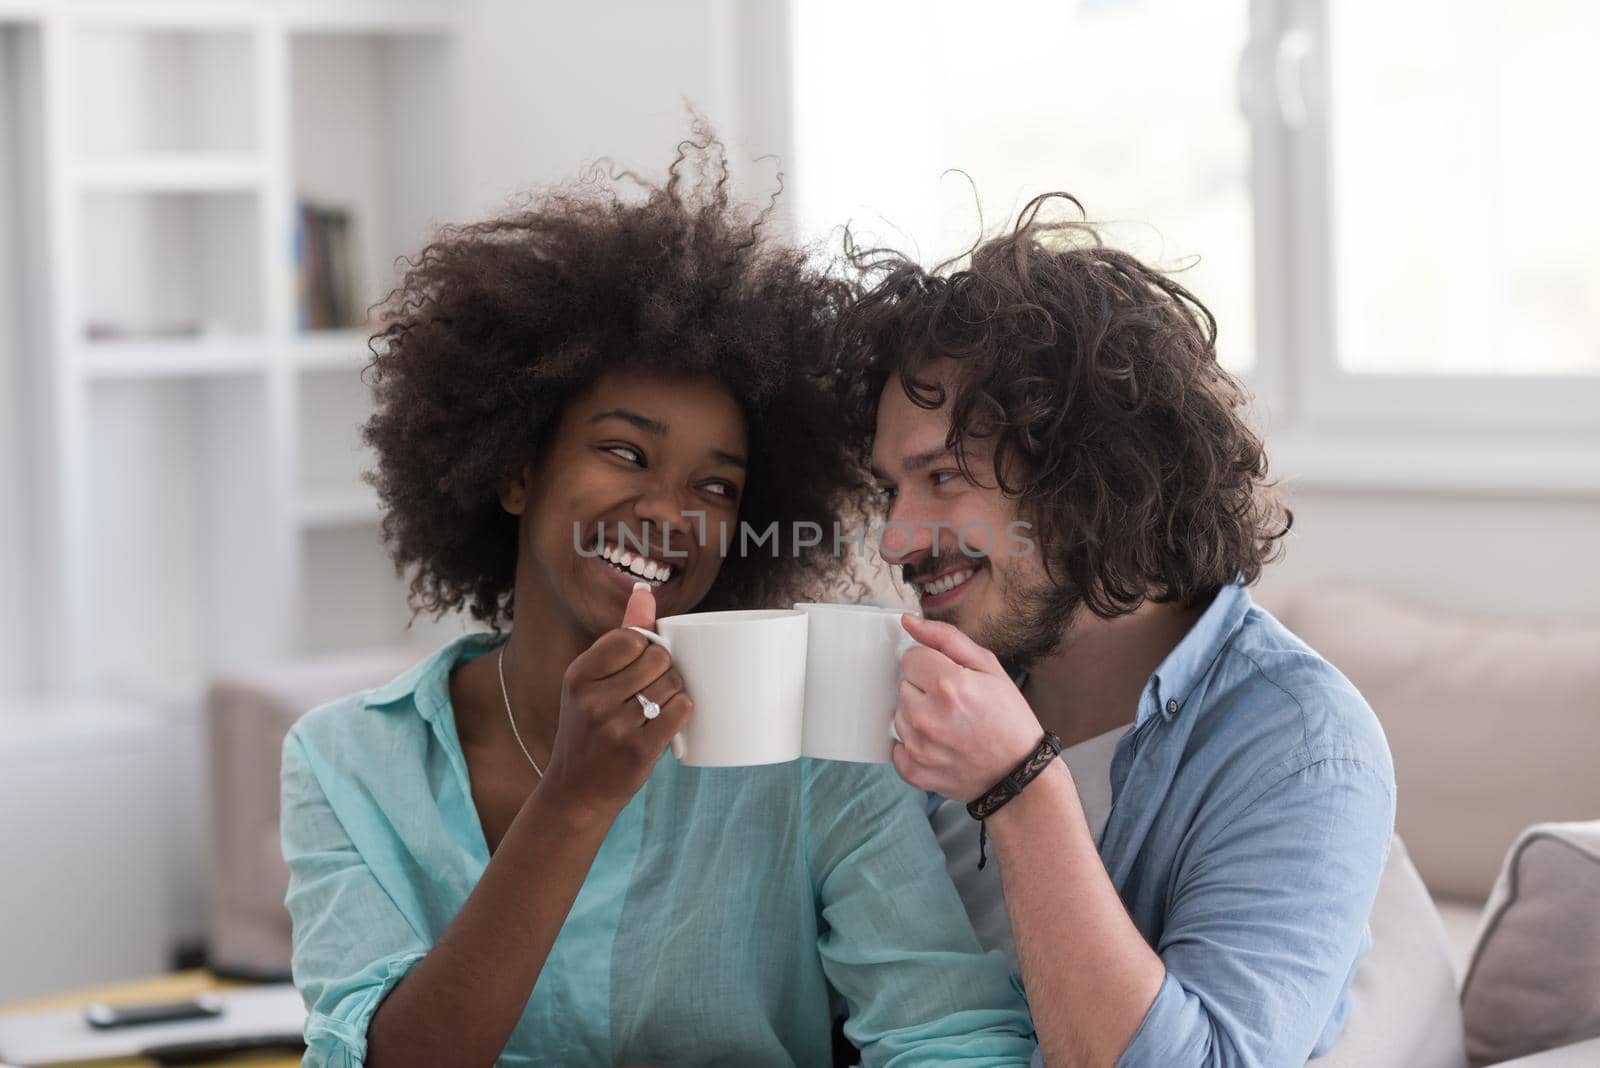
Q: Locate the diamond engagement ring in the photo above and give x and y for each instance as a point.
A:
(651, 709)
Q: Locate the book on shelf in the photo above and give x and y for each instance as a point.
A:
(325, 268)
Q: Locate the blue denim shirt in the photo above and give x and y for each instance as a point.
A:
(1252, 811)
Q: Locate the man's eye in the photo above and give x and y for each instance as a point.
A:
(724, 489)
(941, 477)
(626, 452)
(886, 492)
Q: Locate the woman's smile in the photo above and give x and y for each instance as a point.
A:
(620, 568)
(652, 569)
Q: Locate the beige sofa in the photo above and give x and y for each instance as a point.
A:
(1495, 730)
(1495, 726)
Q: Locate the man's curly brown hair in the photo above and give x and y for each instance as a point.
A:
(1094, 378)
(497, 324)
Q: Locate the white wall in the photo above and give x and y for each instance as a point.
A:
(1530, 557)
(550, 88)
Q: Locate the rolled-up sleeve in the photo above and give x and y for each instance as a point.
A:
(894, 938)
(1268, 922)
(351, 943)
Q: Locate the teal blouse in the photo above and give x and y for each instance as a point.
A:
(725, 910)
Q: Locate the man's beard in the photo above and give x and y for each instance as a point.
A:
(1031, 625)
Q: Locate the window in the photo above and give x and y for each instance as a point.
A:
(1389, 207)
(1129, 105)
(1466, 223)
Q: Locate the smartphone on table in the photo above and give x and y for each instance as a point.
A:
(108, 1017)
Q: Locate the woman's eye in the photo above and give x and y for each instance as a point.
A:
(625, 452)
(941, 477)
(723, 489)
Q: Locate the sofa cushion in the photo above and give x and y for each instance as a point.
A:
(1494, 725)
(1403, 1010)
(1534, 980)
(1461, 922)
(1577, 1055)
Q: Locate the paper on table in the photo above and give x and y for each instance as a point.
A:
(63, 1036)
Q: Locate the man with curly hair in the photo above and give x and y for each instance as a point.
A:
(1076, 499)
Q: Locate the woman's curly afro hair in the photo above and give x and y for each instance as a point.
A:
(496, 324)
(1094, 378)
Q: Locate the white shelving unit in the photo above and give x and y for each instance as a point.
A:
(208, 509)
(22, 332)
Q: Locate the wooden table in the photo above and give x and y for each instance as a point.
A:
(179, 986)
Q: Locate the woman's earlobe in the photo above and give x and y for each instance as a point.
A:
(514, 491)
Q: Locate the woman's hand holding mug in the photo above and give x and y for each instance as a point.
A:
(605, 746)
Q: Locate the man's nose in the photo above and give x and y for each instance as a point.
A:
(907, 537)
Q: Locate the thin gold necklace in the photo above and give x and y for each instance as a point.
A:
(500, 662)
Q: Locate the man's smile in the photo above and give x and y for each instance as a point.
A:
(945, 586)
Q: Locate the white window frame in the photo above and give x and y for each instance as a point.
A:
(1533, 433)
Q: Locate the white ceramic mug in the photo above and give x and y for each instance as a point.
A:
(746, 673)
(852, 680)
